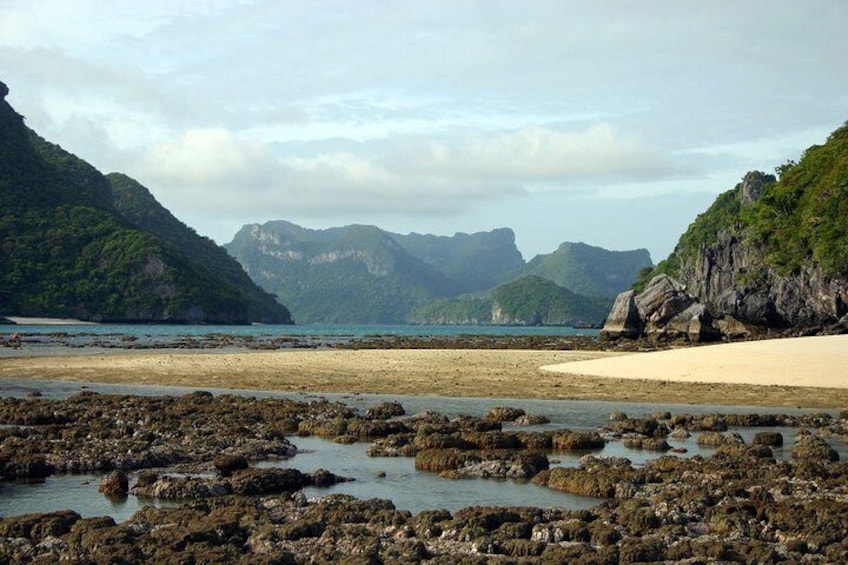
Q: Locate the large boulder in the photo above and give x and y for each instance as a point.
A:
(227, 464)
(624, 320)
(662, 299)
(813, 448)
(664, 310)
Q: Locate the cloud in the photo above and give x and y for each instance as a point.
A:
(53, 72)
(222, 172)
(344, 181)
(539, 154)
(211, 157)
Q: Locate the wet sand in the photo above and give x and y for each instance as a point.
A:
(460, 373)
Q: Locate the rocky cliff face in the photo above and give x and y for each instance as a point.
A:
(725, 279)
(731, 277)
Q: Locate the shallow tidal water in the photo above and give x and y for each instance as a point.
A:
(409, 489)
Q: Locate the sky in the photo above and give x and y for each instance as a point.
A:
(609, 122)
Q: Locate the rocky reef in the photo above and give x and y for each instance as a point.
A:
(741, 504)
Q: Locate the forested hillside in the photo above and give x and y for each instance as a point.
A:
(68, 251)
(773, 251)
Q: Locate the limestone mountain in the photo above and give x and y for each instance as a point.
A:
(78, 244)
(363, 274)
(351, 274)
(588, 270)
(772, 253)
(473, 261)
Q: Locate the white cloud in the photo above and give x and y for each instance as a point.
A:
(538, 154)
(438, 177)
(211, 157)
(216, 173)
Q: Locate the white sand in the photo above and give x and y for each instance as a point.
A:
(809, 361)
(21, 320)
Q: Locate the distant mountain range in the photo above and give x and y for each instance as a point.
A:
(362, 274)
(77, 244)
(588, 270)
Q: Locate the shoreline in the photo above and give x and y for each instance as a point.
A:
(31, 321)
(481, 373)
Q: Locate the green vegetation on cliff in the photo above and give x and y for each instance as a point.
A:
(803, 218)
(800, 220)
(722, 216)
(67, 250)
(136, 204)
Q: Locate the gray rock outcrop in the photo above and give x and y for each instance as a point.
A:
(730, 278)
(624, 319)
(664, 310)
(726, 285)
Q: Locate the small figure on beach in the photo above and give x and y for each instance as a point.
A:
(15, 340)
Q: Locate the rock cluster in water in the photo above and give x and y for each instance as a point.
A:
(739, 505)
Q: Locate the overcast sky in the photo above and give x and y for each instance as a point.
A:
(609, 122)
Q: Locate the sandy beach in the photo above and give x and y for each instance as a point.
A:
(820, 362)
(20, 320)
(806, 372)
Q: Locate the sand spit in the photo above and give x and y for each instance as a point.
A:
(820, 362)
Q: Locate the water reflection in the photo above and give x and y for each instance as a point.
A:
(414, 490)
(407, 488)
